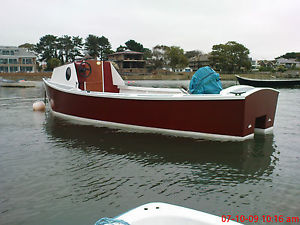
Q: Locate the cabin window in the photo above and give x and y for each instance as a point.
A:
(68, 73)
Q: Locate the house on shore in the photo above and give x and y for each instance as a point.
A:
(288, 63)
(254, 65)
(129, 62)
(267, 63)
(14, 59)
(199, 61)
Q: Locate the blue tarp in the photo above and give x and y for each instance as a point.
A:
(205, 81)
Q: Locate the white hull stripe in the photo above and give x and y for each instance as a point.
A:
(263, 131)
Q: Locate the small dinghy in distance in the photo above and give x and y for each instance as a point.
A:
(93, 91)
(18, 84)
(164, 214)
(275, 83)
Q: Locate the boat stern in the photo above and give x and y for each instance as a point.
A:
(260, 110)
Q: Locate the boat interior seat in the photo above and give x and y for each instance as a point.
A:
(150, 90)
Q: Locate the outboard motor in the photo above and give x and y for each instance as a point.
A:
(205, 81)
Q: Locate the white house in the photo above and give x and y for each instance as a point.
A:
(14, 59)
(288, 63)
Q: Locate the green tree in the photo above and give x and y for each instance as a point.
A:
(134, 46)
(291, 55)
(281, 68)
(158, 59)
(47, 47)
(147, 53)
(64, 48)
(105, 47)
(64, 45)
(193, 53)
(176, 57)
(29, 46)
(230, 57)
(121, 48)
(92, 45)
(52, 63)
(76, 48)
(98, 46)
(69, 47)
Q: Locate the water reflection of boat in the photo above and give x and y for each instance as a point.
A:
(252, 156)
(275, 83)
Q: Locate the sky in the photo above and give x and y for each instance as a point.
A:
(268, 28)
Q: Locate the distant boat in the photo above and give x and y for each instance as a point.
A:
(18, 83)
(165, 214)
(275, 83)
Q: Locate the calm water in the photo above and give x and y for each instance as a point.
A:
(53, 171)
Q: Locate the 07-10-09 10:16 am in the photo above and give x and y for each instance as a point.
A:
(263, 218)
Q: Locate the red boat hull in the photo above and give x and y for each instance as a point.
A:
(218, 117)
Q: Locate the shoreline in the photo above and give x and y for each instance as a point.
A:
(26, 76)
(181, 76)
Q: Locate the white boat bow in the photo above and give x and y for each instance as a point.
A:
(164, 214)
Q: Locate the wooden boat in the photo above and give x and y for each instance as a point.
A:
(93, 91)
(165, 214)
(18, 83)
(275, 83)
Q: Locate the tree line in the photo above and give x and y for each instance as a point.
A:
(55, 51)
